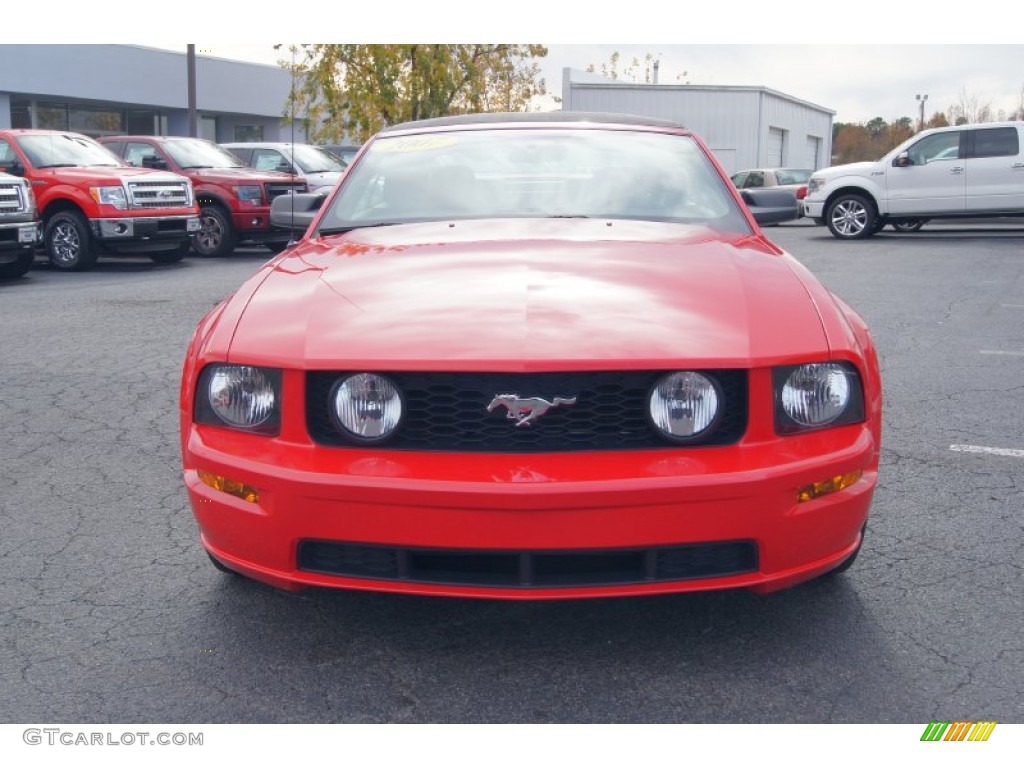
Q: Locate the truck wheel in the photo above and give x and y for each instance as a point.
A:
(851, 216)
(172, 256)
(68, 242)
(216, 235)
(19, 267)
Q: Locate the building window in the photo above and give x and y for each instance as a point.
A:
(52, 116)
(21, 113)
(208, 128)
(96, 121)
(248, 133)
(145, 122)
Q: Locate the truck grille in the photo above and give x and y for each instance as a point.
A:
(276, 190)
(12, 198)
(448, 411)
(158, 194)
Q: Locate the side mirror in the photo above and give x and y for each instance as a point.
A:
(16, 169)
(156, 163)
(771, 206)
(285, 168)
(295, 212)
(902, 160)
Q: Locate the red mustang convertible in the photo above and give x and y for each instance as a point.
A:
(531, 356)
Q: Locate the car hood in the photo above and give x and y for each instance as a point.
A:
(849, 169)
(93, 173)
(240, 175)
(529, 295)
(322, 179)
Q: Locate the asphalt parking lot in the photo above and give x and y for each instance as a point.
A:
(111, 611)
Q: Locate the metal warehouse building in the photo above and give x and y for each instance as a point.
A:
(745, 126)
(112, 89)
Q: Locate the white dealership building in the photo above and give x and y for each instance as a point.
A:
(745, 126)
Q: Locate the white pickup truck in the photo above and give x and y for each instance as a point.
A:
(960, 171)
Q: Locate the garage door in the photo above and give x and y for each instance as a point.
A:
(813, 153)
(776, 139)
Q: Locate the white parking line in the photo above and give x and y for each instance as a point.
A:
(1000, 352)
(1012, 452)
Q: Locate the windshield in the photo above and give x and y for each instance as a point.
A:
(310, 159)
(199, 153)
(50, 150)
(535, 172)
(792, 176)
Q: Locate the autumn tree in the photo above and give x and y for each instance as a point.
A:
(636, 71)
(347, 90)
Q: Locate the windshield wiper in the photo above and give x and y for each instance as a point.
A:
(343, 230)
(190, 167)
(59, 165)
(568, 216)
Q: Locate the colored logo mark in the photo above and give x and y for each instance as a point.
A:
(958, 731)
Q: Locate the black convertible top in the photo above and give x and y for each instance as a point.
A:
(555, 116)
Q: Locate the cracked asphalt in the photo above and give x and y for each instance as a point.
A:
(111, 613)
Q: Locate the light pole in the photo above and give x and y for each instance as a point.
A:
(921, 99)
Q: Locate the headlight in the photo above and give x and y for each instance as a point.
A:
(240, 396)
(367, 407)
(814, 184)
(30, 199)
(110, 196)
(817, 395)
(249, 193)
(683, 405)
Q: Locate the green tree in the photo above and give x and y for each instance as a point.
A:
(355, 90)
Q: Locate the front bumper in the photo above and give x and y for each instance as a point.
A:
(16, 238)
(616, 508)
(115, 231)
(813, 209)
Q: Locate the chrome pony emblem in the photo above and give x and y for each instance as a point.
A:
(527, 410)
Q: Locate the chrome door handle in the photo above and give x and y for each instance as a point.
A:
(1017, 165)
(956, 170)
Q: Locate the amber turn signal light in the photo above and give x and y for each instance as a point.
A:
(241, 490)
(825, 487)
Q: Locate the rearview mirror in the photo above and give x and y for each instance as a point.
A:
(295, 212)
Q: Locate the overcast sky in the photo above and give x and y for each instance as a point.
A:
(858, 82)
(868, 58)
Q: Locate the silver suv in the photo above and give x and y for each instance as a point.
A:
(320, 169)
(960, 171)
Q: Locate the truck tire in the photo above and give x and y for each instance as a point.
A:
(18, 267)
(68, 242)
(851, 216)
(216, 235)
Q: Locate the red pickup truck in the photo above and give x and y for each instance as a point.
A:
(90, 202)
(234, 200)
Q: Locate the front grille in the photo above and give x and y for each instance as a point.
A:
(529, 569)
(276, 190)
(448, 411)
(12, 198)
(158, 194)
